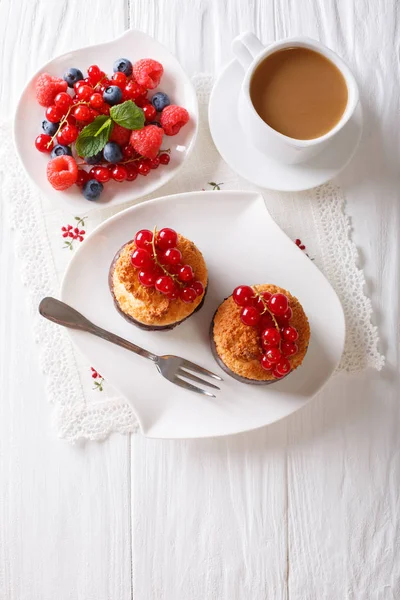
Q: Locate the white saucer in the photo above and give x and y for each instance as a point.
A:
(255, 166)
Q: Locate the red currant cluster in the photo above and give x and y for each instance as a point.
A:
(159, 262)
(270, 314)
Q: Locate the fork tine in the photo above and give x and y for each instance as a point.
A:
(197, 369)
(183, 373)
(189, 386)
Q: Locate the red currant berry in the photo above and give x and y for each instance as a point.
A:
(82, 113)
(141, 101)
(83, 177)
(266, 295)
(96, 100)
(63, 101)
(250, 316)
(266, 364)
(101, 174)
(270, 337)
(174, 295)
(167, 238)
(119, 79)
(273, 354)
(290, 334)
(165, 284)
(71, 120)
(172, 256)
(149, 112)
(78, 84)
(258, 304)
(84, 92)
(288, 348)
(147, 278)
(265, 322)
(186, 273)
(164, 158)
(128, 151)
(198, 287)
(131, 172)
(174, 269)
(188, 294)
(68, 134)
(119, 173)
(282, 367)
(143, 238)
(276, 374)
(154, 162)
(93, 115)
(44, 143)
(105, 109)
(133, 90)
(278, 304)
(141, 259)
(243, 295)
(143, 167)
(54, 114)
(94, 74)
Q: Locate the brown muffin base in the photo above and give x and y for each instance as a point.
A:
(139, 323)
(227, 370)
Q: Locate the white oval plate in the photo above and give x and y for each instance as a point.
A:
(133, 45)
(241, 244)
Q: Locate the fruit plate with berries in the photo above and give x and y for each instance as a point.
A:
(247, 305)
(106, 124)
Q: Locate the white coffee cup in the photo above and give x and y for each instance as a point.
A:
(250, 52)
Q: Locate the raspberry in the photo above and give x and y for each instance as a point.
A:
(62, 172)
(148, 72)
(173, 118)
(147, 141)
(47, 88)
(120, 135)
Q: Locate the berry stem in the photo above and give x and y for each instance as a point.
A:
(63, 120)
(266, 309)
(153, 246)
(100, 80)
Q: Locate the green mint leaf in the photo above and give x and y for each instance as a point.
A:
(128, 115)
(94, 136)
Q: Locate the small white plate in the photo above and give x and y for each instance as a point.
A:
(255, 251)
(252, 164)
(133, 45)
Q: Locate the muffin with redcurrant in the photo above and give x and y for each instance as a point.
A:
(158, 279)
(260, 334)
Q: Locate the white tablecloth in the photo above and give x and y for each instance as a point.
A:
(305, 509)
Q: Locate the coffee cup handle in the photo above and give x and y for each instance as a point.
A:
(246, 47)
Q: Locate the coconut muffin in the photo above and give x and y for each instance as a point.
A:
(259, 334)
(158, 279)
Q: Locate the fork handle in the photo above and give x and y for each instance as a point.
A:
(63, 314)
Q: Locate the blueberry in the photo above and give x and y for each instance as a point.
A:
(160, 101)
(112, 95)
(156, 123)
(124, 65)
(72, 76)
(96, 158)
(60, 150)
(92, 189)
(49, 128)
(112, 152)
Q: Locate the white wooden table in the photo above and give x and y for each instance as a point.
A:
(305, 509)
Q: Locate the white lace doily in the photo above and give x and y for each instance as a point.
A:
(86, 406)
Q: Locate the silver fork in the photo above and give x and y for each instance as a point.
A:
(173, 368)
